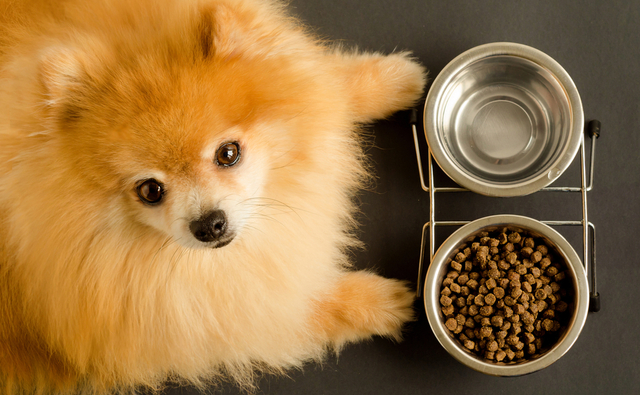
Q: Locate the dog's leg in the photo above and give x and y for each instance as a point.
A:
(380, 85)
(362, 305)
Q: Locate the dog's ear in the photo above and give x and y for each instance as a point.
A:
(59, 71)
(229, 31)
(380, 85)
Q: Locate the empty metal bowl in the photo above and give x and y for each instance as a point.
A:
(439, 268)
(503, 119)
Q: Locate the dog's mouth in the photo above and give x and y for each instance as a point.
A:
(221, 243)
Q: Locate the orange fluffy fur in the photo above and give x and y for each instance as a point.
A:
(100, 292)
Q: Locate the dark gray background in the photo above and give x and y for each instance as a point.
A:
(598, 43)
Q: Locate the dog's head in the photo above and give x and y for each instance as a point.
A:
(194, 118)
(184, 126)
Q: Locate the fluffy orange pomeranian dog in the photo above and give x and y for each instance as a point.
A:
(176, 184)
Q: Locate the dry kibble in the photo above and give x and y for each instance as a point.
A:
(485, 332)
(503, 297)
(536, 257)
(526, 252)
(445, 300)
(516, 291)
(490, 299)
(451, 324)
(473, 310)
(448, 310)
(514, 237)
(551, 271)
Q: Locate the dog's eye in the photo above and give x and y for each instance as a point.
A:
(150, 191)
(228, 154)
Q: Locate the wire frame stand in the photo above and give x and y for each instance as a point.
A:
(428, 246)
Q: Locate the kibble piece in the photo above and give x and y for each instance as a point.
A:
(468, 266)
(447, 281)
(536, 257)
(514, 237)
(460, 302)
(498, 292)
(465, 291)
(500, 355)
(559, 277)
(526, 252)
(516, 291)
(535, 272)
(451, 324)
(545, 262)
(455, 288)
(490, 284)
(457, 266)
(486, 310)
(503, 265)
(509, 247)
(543, 249)
(483, 289)
(521, 269)
(551, 271)
(473, 310)
(490, 299)
(479, 300)
(460, 257)
(485, 332)
(526, 286)
(511, 257)
(547, 324)
(460, 319)
(510, 354)
(497, 321)
(473, 284)
(448, 310)
(492, 346)
(445, 300)
(527, 318)
(541, 294)
(462, 279)
(509, 301)
(485, 321)
(470, 344)
(494, 273)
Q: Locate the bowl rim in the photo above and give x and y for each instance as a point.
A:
(432, 293)
(477, 185)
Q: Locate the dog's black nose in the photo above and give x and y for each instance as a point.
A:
(210, 227)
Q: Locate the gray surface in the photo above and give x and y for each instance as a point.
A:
(598, 43)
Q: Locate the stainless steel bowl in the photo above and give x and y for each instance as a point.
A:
(439, 267)
(503, 119)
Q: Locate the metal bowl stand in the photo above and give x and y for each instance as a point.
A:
(588, 228)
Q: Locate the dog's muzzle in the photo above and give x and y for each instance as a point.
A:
(211, 228)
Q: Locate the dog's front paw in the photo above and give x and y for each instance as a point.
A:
(362, 305)
(380, 85)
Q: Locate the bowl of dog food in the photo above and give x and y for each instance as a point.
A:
(506, 295)
(503, 119)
